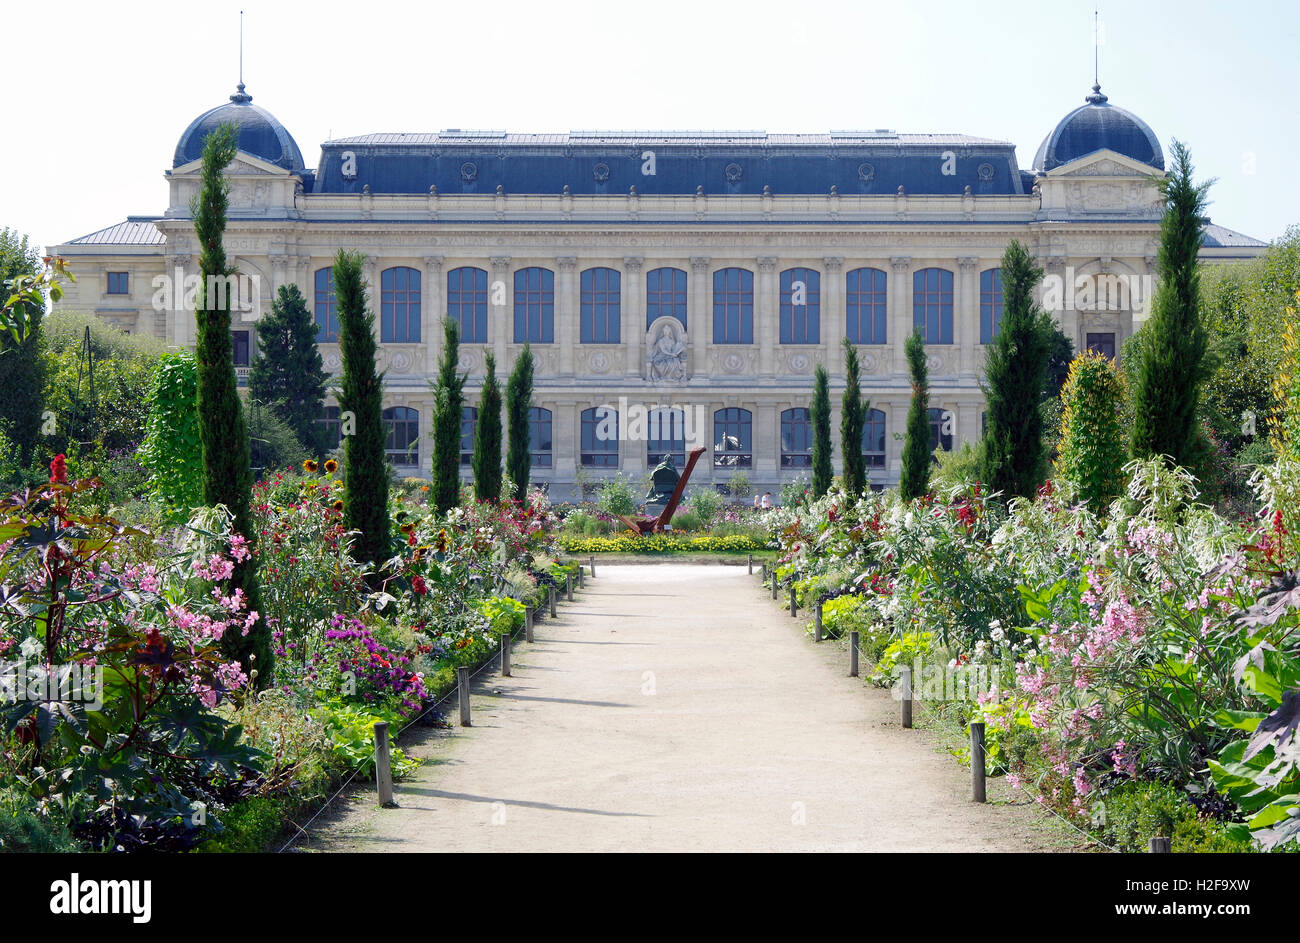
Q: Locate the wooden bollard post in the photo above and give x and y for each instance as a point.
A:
(1158, 846)
(383, 765)
(977, 761)
(905, 694)
(591, 561)
(568, 587)
(853, 654)
(581, 579)
(817, 622)
(774, 587)
(794, 604)
(751, 564)
(462, 689)
(552, 602)
(528, 624)
(505, 654)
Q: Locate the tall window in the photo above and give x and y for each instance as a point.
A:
(940, 429)
(119, 283)
(733, 438)
(399, 305)
(733, 306)
(403, 435)
(467, 303)
(240, 347)
(330, 419)
(539, 436)
(665, 295)
(873, 439)
(932, 304)
(796, 438)
(801, 306)
(665, 435)
(468, 422)
(866, 306)
(990, 304)
(327, 313)
(535, 306)
(599, 438)
(600, 306)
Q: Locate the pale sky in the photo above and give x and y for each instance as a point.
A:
(110, 87)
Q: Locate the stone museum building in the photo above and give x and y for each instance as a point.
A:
(677, 288)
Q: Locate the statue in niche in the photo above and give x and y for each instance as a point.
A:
(667, 356)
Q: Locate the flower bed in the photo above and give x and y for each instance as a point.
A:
(662, 544)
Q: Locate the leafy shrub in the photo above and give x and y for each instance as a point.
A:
(1135, 812)
(24, 829)
(738, 485)
(662, 543)
(686, 521)
(958, 468)
(795, 490)
(617, 498)
(704, 503)
(171, 449)
(1092, 449)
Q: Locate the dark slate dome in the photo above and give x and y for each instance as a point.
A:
(260, 134)
(1095, 126)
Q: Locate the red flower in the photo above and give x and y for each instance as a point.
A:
(59, 470)
(417, 584)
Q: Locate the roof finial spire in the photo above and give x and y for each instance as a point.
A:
(241, 97)
(1096, 98)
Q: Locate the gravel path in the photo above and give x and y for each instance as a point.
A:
(677, 708)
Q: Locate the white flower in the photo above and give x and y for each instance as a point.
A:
(997, 634)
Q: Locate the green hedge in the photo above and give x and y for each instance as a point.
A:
(662, 543)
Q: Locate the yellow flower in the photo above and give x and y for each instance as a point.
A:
(338, 505)
(331, 466)
(310, 466)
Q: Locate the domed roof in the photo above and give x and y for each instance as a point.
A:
(260, 134)
(1095, 126)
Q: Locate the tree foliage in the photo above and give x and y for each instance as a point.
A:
(820, 414)
(22, 366)
(361, 399)
(853, 417)
(227, 471)
(288, 376)
(915, 478)
(1092, 452)
(487, 435)
(449, 400)
(519, 400)
(172, 450)
(1015, 372)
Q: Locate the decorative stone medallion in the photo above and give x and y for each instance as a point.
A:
(468, 172)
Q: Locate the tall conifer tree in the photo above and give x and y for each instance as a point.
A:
(822, 469)
(288, 375)
(448, 402)
(915, 479)
(487, 436)
(853, 417)
(227, 470)
(519, 400)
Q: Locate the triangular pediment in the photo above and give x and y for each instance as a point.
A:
(1104, 163)
(244, 165)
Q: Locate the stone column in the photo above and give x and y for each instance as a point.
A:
(567, 328)
(632, 316)
(833, 311)
(501, 309)
(371, 275)
(966, 314)
(564, 440)
(699, 315)
(277, 279)
(169, 321)
(767, 440)
(432, 310)
(900, 314)
(1065, 315)
(968, 425)
(767, 316)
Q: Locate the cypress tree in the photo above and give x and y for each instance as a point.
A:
(361, 397)
(822, 472)
(1015, 371)
(853, 417)
(519, 399)
(227, 471)
(1091, 454)
(915, 479)
(288, 375)
(449, 399)
(487, 436)
(22, 365)
(1171, 369)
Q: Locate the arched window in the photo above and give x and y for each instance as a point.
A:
(733, 306)
(733, 438)
(665, 295)
(241, 347)
(600, 306)
(932, 304)
(796, 438)
(873, 439)
(403, 435)
(866, 306)
(940, 429)
(990, 304)
(539, 436)
(399, 305)
(599, 438)
(467, 303)
(665, 435)
(468, 423)
(330, 418)
(535, 306)
(327, 313)
(801, 307)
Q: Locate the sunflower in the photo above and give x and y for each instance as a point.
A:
(407, 529)
(338, 505)
(441, 543)
(331, 466)
(310, 466)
